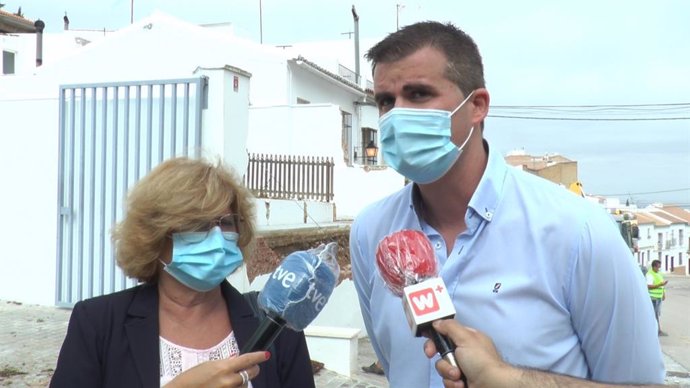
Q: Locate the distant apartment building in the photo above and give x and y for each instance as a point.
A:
(553, 167)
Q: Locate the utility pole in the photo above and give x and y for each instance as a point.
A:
(131, 12)
(398, 7)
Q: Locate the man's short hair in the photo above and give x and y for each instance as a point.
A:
(655, 263)
(465, 67)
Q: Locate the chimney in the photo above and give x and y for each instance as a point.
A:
(66, 20)
(356, 18)
(39, 41)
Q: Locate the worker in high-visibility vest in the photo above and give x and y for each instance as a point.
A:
(657, 291)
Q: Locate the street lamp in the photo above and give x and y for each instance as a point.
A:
(371, 151)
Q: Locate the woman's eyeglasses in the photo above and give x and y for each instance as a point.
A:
(229, 225)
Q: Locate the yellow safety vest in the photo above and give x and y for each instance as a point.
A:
(656, 293)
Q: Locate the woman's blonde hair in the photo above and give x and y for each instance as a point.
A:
(180, 194)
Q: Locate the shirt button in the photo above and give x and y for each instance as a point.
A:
(438, 245)
(489, 215)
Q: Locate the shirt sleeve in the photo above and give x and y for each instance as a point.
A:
(650, 279)
(610, 309)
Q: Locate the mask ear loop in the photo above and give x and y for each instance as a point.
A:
(471, 129)
(462, 103)
(467, 139)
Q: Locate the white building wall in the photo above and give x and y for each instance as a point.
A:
(56, 47)
(675, 249)
(11, 44)
(319, 89)
(662, 252)
(312, 129)
(370, 118)
(226, 117)
(28, 169)
(646, 244)
(315, 129)
(160, 47)
(29, 128)
(272, 213)
(684, 248)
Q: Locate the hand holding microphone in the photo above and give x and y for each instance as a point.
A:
(478, 358)
(295, 293)
(408, 266)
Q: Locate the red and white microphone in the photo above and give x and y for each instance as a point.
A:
(408, 266)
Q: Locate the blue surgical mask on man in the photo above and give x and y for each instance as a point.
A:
(202, 264)
(417, 142)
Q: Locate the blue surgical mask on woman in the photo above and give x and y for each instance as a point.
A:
(417, 142)
(202, 260)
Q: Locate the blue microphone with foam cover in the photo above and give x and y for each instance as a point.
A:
(295, 293)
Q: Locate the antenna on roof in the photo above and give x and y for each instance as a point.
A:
(355, 17)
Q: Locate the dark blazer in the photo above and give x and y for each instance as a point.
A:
(113, 341)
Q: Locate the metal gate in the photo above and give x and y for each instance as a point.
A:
(111, 134)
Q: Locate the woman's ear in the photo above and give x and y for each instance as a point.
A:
(166, 250)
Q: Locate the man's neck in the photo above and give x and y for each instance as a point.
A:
(443, 204)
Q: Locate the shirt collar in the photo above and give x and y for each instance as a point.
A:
(486, 197)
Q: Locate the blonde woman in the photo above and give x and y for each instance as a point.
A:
(187, 227)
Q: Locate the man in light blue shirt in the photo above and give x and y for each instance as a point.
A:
(541, 271)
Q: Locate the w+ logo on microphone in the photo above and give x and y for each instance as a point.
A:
(424, 301)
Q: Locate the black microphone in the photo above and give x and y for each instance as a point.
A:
(295, 293)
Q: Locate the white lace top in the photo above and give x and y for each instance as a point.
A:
(176, 359)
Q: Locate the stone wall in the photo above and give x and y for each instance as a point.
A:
(272, 246)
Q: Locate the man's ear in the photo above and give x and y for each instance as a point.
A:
(480, 105)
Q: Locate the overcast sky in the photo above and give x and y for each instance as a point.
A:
(536, 52)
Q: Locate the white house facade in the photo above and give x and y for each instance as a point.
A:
(250, 99)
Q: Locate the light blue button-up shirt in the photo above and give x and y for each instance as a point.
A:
(541, 271)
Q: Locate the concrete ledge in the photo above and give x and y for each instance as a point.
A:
(335, 347)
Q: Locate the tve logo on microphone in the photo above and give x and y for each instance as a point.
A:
(426, 302)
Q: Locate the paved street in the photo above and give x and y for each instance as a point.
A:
(675, 320)
(30, 338)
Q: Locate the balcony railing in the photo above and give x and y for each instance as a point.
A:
(348, 74)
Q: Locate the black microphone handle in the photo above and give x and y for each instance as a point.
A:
(445, 348)
(264, 335)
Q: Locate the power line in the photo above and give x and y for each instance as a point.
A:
(590, 106)
(669, 204)
(649, 192)
(590, 119)
(610, 112)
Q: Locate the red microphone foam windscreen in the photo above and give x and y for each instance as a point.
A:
(405, 258)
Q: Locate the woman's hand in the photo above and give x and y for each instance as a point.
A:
(222, 373)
